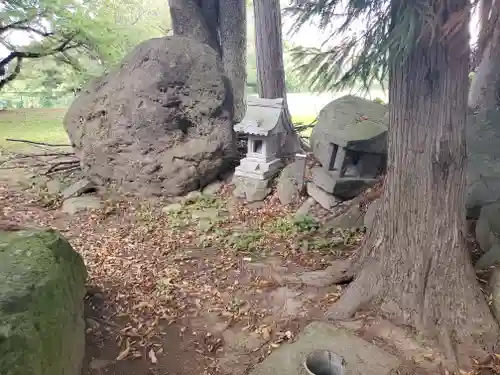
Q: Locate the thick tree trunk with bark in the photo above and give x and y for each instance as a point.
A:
(269, 46)
(414, 263)
(485, 7)
(222, 25)
(233, 38)
(187, 20)
(271, 82)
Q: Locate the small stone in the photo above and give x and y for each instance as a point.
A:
(191, 197)
(291, 182)
(73, 205)
(488, 226)
(172, 208)
(78, 188)
(324, 179)
(54, 186)
(250, 189)
(212, 189)
(327, 201)
(490, 258)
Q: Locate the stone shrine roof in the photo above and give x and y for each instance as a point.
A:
(262, 116)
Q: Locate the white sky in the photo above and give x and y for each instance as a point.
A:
(308, 36)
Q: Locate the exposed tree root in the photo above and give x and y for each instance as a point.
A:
(358, 295)
(455, 324)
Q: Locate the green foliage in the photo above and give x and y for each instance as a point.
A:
(90, 36)
(360, 40)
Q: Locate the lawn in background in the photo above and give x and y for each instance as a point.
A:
(45, 125)
(33, 124)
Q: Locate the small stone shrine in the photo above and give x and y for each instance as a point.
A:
(263, 123)
(350, 143)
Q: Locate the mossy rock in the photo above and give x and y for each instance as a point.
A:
(42, 287)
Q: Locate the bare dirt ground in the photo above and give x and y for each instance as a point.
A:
(209, 286)
(202, 285)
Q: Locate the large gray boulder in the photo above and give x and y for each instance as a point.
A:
(42, 287)
(159, 124)
(351, 122)
(483, 170)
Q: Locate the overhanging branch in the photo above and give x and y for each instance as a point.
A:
(12, 76)
(20, 55)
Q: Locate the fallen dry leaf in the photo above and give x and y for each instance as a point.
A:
(266, 333)
(152, 356)
(125, 352)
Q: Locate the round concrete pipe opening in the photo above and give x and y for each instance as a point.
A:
(324, 362)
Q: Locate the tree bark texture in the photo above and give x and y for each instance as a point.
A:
(414, 263)
(271, 82)
(187, 20)
(222, 25)
(485, 7)
(269, 47)
(233, 39)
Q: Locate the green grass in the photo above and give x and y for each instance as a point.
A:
(38, 125)
(45, 125)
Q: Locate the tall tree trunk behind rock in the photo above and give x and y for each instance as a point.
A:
(187, 20)
(485, 7)
(222, 25)
(269, 46)
(233, 39)
(414, 263)
(271, 82)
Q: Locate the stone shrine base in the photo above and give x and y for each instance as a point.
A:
(360, 356)
(252, 190)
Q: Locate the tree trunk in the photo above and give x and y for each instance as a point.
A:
(233, 37)
(414, 263)
(271, 82)
(485, 7)
(188, 20)
(222, 25)
(269, 46)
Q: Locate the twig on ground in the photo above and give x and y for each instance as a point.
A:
(22, 156)
(37, 143)
(22, 166)
(63, 165)
(63, 168)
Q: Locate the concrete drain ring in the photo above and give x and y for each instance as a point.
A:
(324, 362)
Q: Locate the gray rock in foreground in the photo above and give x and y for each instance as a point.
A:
(360, 356)
(159, 124)
(73, 205)
(42, 286)
(291, 183)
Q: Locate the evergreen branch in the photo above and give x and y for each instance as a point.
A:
(357, 59)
